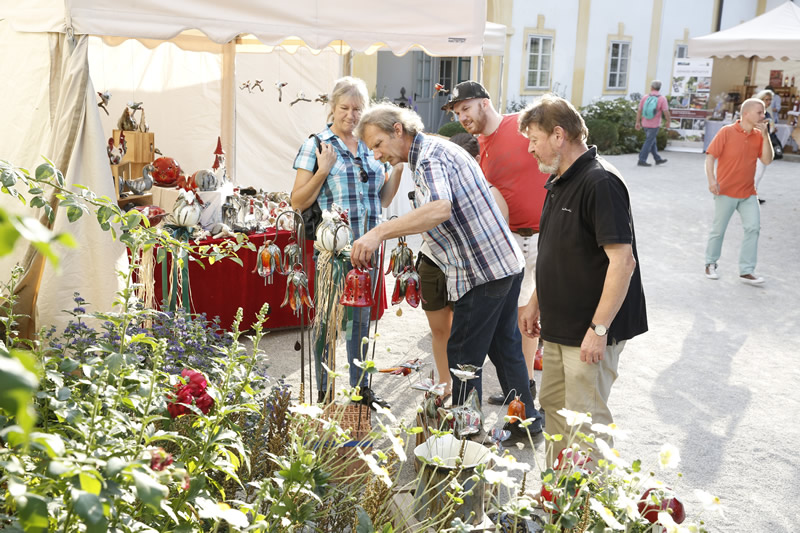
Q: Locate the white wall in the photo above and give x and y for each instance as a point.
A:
(561, 17)
(734, 13)
(393, 73)
(673, 23)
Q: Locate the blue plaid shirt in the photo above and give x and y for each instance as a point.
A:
(343, 186)
(475, 245)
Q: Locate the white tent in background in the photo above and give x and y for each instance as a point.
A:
(776, 34)
(49, 101)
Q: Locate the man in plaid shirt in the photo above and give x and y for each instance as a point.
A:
(470, 241)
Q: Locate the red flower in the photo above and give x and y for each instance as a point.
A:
(184, 396)
(159, 459)
(205, 403)
(186, 482)
(195, 381)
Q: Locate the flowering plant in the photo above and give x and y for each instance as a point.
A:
(192, 391)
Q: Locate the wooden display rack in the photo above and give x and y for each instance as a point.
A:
(141, 151)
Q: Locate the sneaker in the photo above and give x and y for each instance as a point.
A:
(661, 161)
(761, 201)
(750, 279)
(644, 164)
(368, 397)
(711, 271)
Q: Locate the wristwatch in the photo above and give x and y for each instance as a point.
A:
(600, 329)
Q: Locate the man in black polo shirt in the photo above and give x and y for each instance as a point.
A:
(588, 286)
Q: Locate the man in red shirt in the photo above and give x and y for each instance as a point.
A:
(506, 164)
(736, 148)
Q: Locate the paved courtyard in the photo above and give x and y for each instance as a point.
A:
(717, 373)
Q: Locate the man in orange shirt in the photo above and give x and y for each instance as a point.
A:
(736, 148)
(506, 164)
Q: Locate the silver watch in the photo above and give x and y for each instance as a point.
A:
(599, 329)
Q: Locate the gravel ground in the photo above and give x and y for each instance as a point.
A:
(715, 375)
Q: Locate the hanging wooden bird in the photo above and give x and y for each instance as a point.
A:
(257, 85)
(301, 97)
(322, 98)
(439, 88)
(245, 85)
(105, 96)
(280, 85)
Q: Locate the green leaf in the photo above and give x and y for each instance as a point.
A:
(90, 509)
(45, 172)
(49, 442)
(115, 362)
(90, 483)
(18, 383)
(364, 522)
(32, 511)
(150, 491)
(74, 213)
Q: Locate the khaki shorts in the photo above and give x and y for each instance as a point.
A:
(432, 284)
(529, 247)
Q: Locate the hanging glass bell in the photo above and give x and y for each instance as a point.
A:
(357, 289)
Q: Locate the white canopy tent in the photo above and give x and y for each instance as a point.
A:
(776, 34)
(49, 102)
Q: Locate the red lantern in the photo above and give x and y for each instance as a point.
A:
(357, 289)
(516, 409)
(167, 171)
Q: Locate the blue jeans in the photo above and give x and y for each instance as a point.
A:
(485, 322)
(649, 145)
(750, 213)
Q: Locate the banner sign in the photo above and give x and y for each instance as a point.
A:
(688, 102)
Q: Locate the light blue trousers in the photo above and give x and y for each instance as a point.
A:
(750, 213)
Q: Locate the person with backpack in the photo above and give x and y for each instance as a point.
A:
(648, 116)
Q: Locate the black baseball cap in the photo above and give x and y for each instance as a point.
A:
(466, 90)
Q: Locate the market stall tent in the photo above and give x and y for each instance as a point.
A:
(49, 105)
(776, 34)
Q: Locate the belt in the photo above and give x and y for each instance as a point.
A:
(525, 232)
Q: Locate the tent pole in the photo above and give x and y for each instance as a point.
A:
(228, 110)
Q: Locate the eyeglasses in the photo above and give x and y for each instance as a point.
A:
(362, 174)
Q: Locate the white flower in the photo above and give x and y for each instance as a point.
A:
(494, 477)
(385, 412)
(375, 467)
(397, 445)
(709, 501)
(605, 514)
(575, 419)
(629, 504)
(331, 373)
(665, 519)
(611, 429)
(669, 456)
(509, 462)
(304, 409)
(611, 454)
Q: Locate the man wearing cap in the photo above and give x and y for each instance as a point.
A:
(507, 165)
(469, 240)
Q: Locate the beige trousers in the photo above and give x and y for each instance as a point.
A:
(568, 382)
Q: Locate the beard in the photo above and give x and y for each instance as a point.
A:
(551, 168)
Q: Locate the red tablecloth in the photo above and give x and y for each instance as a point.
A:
(220, 289)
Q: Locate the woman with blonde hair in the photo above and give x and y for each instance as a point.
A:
(343, 171)
(765, 96)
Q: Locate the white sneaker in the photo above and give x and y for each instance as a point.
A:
(751, 279)
(711, 271)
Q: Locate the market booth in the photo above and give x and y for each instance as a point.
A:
(773, 37)
(51, 108)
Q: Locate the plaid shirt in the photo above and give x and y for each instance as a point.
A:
(343, 186)
(475, 245)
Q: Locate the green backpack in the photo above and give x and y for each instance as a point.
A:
(650, 107)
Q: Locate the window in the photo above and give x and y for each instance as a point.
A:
(619, 55)
(464, 66)
(681, 51)
(540, 52)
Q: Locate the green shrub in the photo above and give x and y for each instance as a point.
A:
(602, 133)
(451, 128)
(661, 139)
(621, 112)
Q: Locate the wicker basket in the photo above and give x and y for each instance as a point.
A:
(357, 419)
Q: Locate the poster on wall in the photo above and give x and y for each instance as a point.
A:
(688, 103)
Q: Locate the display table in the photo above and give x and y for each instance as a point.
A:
(783, 131)
(220, 289)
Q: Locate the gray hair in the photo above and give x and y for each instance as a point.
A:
(656, 85)
(348, 87)
(750, 102)
(763, 94)
(551, 111)
(384, 116)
